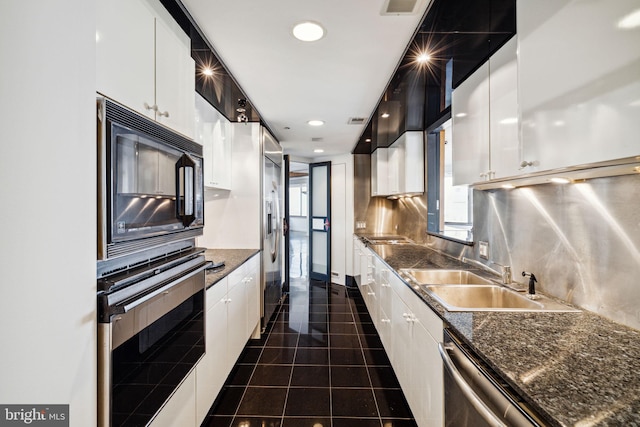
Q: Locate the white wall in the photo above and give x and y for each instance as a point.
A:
(232, 218)
(48, 208)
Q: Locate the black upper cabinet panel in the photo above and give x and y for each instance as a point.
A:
(469, 31)
(461, 33)
(403, 102)
(219, 89)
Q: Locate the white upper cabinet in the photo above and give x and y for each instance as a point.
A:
(214, 133)
(125, 53)
(143, 60)
(399, 169)
(485, 120)
(412, 171)
(380, 172)
(503, 108)
(579, 82)
(470, 128)
(175, 78)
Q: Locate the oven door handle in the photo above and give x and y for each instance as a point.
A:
(124, 308)
(471, 395)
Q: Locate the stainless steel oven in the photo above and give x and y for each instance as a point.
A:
(477, 397)
(150, 183)
(150, 333)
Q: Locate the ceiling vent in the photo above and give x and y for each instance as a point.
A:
(356, 120)
(317, 139)
(399, 7)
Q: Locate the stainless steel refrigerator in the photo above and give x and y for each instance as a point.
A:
(272, 220)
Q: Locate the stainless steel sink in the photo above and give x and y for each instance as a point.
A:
(445, 277)
(462, 290)
(480, 296)
(388, 240)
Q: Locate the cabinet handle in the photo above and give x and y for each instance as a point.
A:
(385, 285)
(525, 164)
(160, 113)
(371, 293)
(385, 321)
(153, 107)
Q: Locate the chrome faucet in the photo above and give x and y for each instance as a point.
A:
(505, 270)
(532, 284)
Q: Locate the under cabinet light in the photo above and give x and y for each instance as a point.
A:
(560, 180)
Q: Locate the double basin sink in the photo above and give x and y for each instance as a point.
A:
(462, 290)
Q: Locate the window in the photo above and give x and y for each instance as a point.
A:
(298, 199)
(450, 207)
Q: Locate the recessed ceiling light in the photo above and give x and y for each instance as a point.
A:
(315, 122)
(318, 150)
(384, 115)
(367, 140)
(308, 31)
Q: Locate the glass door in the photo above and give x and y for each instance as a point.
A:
(320, 221)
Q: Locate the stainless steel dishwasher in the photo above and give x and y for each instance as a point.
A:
(474, 396)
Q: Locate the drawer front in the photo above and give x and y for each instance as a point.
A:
(216, 292)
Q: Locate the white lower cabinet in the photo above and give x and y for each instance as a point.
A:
(180, 410)
(211, 371)
(233, 314)
(411, 342)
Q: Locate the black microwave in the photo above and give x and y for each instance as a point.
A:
(150, 182)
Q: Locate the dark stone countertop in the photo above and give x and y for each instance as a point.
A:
(574, 369)
(233, 258)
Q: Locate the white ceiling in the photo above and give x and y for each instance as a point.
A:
(291, 82)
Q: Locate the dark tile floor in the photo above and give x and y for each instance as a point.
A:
(320, 363)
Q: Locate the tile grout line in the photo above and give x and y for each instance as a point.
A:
(366, 367)
(255, 366)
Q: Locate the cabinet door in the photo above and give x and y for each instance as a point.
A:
(385, 299)
(236, 323)
(214, 133)
(253, 294)
(180, 410)
(427, 388)
(470, 128)
(401, 356)
(578, 89)
(379, 172)
(175, 78)
(503, 105)
(357, 244)
(125, 53)
(413, 171)
(396, 166)
(211, 371)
